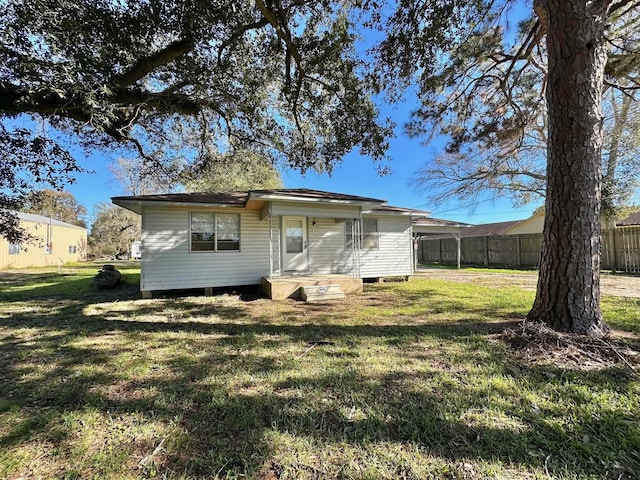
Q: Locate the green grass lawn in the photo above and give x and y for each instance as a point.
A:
(407, 380)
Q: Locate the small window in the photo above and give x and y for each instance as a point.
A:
(368, 234)
(14, 249)
(215, 232)
(72, 249)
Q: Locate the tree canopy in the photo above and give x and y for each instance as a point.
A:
(494, 115)
(113, 230)
(242, 170)
(60, 205)
(173, 78)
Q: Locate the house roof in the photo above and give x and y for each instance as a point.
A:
(305, 193)
(226, 198)
(465, 229)
(388, 209)
(32, 217)
(487, 229)
(633, 219)
(240, 199)
(430, 221)
(432, 226)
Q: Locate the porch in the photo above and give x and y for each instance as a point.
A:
(279, 288)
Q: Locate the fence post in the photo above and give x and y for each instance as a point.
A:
(439, 250)
(519, 250)
(486, 250)
(612, 247)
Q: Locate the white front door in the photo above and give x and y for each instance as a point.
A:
(294, 245)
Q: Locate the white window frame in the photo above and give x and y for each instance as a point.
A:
(215, 217)
(15, 248)
(73, 249)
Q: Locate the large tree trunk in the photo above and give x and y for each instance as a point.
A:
(568, 294)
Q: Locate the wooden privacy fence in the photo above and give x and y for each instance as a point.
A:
(620, 250)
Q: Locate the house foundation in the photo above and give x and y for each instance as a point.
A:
(291, 287)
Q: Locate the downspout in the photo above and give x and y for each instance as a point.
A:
(271, 257)
(356, 233)
(414, 249)
(359, 244)
(270, 247)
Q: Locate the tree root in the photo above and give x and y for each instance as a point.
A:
(540, 344)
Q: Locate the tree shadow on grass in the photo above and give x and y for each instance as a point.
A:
(71, 361)
(448, 418)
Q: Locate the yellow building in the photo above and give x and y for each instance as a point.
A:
(57, 243)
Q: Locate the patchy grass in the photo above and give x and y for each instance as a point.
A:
(404, 381)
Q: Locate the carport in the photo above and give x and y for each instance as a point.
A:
(428, 226)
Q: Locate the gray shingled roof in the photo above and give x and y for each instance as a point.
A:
(483, 230)
(403, 210)
(241, 198)
(226, 198)
(316, 194)
(633, 219)
(487, 229)
(430, 221)
(32, 217)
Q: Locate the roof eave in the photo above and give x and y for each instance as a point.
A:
(439, 229)
(393, 213)
(136, 205)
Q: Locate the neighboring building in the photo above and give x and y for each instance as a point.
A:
(515, 242)
(632, 220)
(136, 250)
(204, 240)
(529, 225)
(57, 242)
(533, 224)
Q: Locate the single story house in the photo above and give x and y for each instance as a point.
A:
(56, 243)
(282, 239)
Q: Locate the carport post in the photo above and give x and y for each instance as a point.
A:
(457, 237)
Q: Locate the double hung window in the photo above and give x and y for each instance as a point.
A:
(215, 232)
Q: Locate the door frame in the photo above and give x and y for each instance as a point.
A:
(285, 257)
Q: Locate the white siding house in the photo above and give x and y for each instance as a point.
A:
(240, 238)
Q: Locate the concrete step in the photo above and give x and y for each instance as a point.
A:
(319, 293)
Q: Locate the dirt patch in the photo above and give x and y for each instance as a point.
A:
(611, 284)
